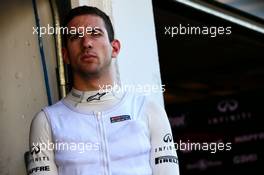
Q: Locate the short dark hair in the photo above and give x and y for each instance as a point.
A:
(89, 10)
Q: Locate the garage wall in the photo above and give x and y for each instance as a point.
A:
(22, 86)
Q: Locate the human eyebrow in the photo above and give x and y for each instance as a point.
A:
(73, 36)
(97, 30)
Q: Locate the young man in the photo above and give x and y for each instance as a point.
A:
(95, 132)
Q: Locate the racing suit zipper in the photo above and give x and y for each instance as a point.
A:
(104, 147)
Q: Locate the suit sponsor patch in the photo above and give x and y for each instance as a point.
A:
(120, 118)
(166, 159)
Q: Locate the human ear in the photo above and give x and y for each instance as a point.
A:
(65, 55)
(116, 46)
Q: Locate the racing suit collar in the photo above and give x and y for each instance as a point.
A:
(93, 96)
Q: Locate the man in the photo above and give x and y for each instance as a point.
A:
(99, 132)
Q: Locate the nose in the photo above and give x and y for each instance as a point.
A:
(87, 42)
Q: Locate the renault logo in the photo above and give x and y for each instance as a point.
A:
(227, 105)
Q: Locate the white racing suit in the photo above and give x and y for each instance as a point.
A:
(102, 133)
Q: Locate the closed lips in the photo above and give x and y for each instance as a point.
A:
(88, 56)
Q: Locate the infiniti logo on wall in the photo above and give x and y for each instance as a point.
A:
(227, 105)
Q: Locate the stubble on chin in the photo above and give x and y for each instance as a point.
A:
(92, 71)
(88, 73)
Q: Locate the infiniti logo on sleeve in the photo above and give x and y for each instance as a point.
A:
(167, 138)
(35, 149)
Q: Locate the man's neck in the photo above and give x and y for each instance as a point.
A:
(92, 83)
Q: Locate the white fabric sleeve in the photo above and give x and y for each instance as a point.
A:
(41, 156)
(164, 159)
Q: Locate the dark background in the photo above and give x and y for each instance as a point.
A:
(214, 90)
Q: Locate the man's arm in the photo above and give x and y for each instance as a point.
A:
(41, 153)
(164, 160)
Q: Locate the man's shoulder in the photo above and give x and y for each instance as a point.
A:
(135, 96)
(146, 101)
(55, 105)
(42, 113)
